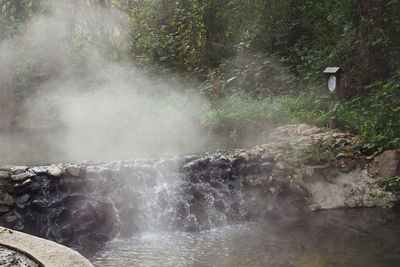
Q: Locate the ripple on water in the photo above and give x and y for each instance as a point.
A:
(368, 237)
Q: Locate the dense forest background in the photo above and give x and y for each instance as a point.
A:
(258, 63)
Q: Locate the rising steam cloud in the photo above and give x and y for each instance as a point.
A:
(87, 106)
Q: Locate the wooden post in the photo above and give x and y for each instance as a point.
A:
(332, 113)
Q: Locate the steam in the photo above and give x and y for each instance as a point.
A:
(88, 106)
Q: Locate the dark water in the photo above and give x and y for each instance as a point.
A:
(364, 237)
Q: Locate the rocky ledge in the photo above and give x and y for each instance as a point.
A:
(329, 169)
(302, 169)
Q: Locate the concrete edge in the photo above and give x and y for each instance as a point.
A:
(46, 253)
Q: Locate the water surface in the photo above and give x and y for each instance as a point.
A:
(363, 237)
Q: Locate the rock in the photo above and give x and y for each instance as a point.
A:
(73, 170)
(264, 147)
(54, 171)
(20, 177)
(27, 181)
(387, 165)
(279, 157)
(267, 158)
(253, 168)
(4, 209)
(282, 145)
(312, 131)
(18, 169)
(345, 165)
(39, 169)
(4, 174)
(21, 202)
(6, 200)
(313, 207)
(6, 186)
(266, 166)
(341, 155)
(6, 168)
(281, 165)
(341, 141)
(244, 156)
(256, 154)
(309, 171)
(8, 218)
(301, 128)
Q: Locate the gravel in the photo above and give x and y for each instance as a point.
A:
(10, 257)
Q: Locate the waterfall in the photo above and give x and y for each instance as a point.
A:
(104, 200)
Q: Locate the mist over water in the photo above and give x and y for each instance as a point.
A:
(87, 105)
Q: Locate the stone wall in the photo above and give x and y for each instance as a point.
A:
(302, 169)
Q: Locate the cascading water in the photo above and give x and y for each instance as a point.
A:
(123, 198)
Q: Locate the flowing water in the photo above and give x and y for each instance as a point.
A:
(192, 213)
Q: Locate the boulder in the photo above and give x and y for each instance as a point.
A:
(387, 165)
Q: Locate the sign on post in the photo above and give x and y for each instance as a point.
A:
(333, 80)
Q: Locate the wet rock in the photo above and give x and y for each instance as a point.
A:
(18, 169)
(244, 157)
(4, 209)
(6, 185)
(253, 168)
(8, 218)
(40, 170)
(54, 171)
(20, 177)
(266, 166)
(73, 170)
(6, 200)
(22, 201)
(255, 154)
(221, 162)
(196, 164)
(26, 182)
(4, 174)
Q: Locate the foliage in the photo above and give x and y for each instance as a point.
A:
(319, 151)
(390, 191)
(241, 111)
(393, 185)
(375, 118)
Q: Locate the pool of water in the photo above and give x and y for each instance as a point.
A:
(362, 237)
